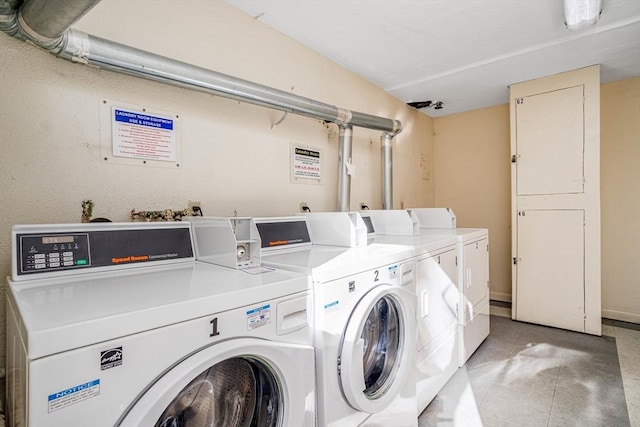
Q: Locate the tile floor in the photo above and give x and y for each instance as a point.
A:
(536, 376)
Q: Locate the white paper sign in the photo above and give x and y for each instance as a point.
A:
(137, 134)
(306, 163)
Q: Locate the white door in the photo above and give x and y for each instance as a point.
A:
(555, 185)
(378, 348)
(550, 268)
(550, 142)
(437, 293)
(476, 274)
(241, 382)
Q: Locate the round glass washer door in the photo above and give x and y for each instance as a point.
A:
(377, 349)
(237, 392)
(235, 383)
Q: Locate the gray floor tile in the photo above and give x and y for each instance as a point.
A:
(536, 334)
(531, 375)
(591, 344)
(516, 407)
(590, 405)
(456, 404)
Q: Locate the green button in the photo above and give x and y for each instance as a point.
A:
(81, 262)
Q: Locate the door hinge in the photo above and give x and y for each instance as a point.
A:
(456, 260)
(514, 158)
(515, 261)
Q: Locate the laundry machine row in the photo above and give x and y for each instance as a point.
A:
(452, 289)
(118, 325)
(219, 321)
(473, 274)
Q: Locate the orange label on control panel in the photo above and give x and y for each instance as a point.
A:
(130, 258)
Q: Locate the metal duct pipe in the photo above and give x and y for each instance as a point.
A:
(8, 7)
(386, 151)
(92, 50)
(344, 177)
(44, 21)
(8, 22)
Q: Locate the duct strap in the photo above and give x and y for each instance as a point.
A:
(343, 116)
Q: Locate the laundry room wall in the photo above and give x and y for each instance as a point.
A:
(472, 172)
(233, 160)
(473, 176)
(620, 198)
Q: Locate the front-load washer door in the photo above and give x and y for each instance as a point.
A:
(237, 383)
(377, 348)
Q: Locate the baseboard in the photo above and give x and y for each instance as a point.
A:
(621, 315)
(500, 296)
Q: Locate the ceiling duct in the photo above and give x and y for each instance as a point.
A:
(47, 22)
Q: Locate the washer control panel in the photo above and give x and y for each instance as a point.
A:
(53, 252)
(67, 249)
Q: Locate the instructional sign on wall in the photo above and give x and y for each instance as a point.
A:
(306, 163)
(140, 135)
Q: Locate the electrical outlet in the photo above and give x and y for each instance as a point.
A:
(304, 207)
(191, 204)
(363, 206)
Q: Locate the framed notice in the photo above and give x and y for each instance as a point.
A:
(306, 164)
(140, 135)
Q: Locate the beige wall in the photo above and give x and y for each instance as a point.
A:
(232, 161)
(472, 176)
(472, 172)
(620, 197)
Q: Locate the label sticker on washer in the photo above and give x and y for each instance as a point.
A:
(393, 271)
(332, 304)
(110, 358)
(259, 316)
(72, 395)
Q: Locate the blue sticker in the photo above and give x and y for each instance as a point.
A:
(256, 310)
(73, 395)
(331, 304)
(134, 118)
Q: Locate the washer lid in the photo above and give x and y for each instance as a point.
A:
(66, 313)
(461, 234)
(377, 349)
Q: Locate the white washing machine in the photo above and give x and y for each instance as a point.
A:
(364, 318)
(117, 325)
(437, 297)
(473, 275)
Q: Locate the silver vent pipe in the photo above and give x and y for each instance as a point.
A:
(47, 22)
(44, 22)
(386, 154)
(344, 177)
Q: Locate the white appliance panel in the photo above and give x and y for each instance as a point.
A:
(476, 273)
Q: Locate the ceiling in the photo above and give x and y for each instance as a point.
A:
(464, 53)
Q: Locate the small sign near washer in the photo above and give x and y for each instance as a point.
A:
(259, 316)
(73, 395)
(110, 358)
(393, 271)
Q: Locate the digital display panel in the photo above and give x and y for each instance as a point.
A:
(46, 240)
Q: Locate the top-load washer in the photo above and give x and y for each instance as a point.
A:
(117, 325)
(437, 297)
(363, 316)
(473, 274)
